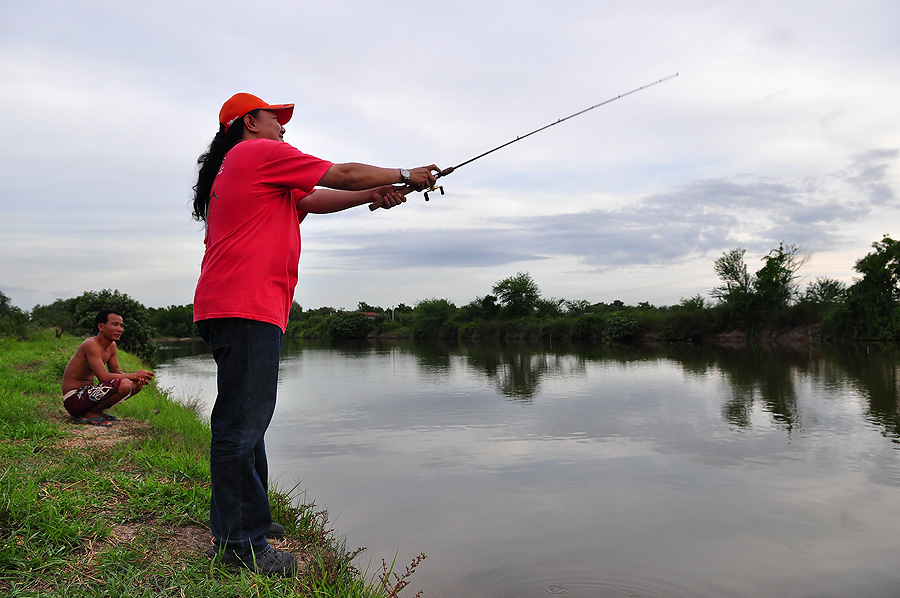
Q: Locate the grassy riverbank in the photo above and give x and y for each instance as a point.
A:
(122, 511)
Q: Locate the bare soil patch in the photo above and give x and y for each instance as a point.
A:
(188, 539)
(83, 435)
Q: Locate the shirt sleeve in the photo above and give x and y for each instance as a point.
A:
(296, 196)
(286, 166)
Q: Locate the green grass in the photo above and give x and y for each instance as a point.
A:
(123, 511)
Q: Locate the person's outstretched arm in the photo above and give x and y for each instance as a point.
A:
(353, 176)
(326, 201)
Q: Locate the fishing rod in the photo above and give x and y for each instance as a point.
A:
(447, 171)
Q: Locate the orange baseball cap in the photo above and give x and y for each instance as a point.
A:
(241, 103)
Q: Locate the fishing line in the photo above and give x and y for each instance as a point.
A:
(447, 171)
(703, 54)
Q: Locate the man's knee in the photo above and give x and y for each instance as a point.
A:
(127, 388)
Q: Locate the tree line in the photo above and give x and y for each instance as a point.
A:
(769, 299)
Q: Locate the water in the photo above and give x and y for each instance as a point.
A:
(635, 472)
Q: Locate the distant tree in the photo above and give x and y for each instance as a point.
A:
(732, 270)
(138, 336)
(174, 321)
(481, 308)
(762, 299)
(490, 310)
(619, 327)
(589, 327)
(432, 315)
(311, 323)
(470, 312)
(597, 308)
(688, 321)
(827, 291)
(13, 321)
(871, 308)
(881, 270)
(401, 313)
(775, 284)
(347, 325)
(59, 315)
(518, 295)
(577, 306)
(296, 312)
(548, 308)
(692, 303)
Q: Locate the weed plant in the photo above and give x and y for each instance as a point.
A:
(123, 511)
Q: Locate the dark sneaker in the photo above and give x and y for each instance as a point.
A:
(276, 531)
(270, 562)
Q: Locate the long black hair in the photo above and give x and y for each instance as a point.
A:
(210, 162)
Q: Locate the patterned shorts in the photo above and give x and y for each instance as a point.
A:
(81, 400)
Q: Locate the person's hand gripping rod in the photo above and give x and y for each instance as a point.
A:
(420, 179)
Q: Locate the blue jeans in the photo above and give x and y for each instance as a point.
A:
(246, 354)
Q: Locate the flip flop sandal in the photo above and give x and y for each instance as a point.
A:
(109, 418)
(95, 421)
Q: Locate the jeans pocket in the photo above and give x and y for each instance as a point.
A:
(217, 332)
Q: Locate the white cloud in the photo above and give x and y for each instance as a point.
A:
(778, 128)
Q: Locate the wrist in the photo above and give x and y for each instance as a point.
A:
(404, 175)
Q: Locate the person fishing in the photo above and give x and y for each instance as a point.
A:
(253, 190)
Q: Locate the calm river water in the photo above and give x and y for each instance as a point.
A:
(685, 472)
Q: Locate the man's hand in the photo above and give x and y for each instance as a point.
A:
(422, 178)
(419, 179)
(143, 377)
(389, 196)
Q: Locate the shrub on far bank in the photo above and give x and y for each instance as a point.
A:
(347, 325)
(619, 327)
(13, 321)
(139, 334)
(434, 318)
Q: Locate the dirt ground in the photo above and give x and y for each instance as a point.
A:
(188, 538)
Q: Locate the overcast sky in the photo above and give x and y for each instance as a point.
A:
(783, 125)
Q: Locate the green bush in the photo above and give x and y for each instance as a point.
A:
(347, 325)
(59, 315)
(481, 329)
(685, 326)
(433, 317)
(619, 327)
(558, 328)
(388, 326)
(13, 321)
(138, 336)
(174, 321)
(589, 327)
(870, 307)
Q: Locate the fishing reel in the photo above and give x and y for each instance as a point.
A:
(435, 186)
(432, 189)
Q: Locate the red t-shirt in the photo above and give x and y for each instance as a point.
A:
(249, 269)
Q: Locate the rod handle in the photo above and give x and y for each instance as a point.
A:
(377, 204)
